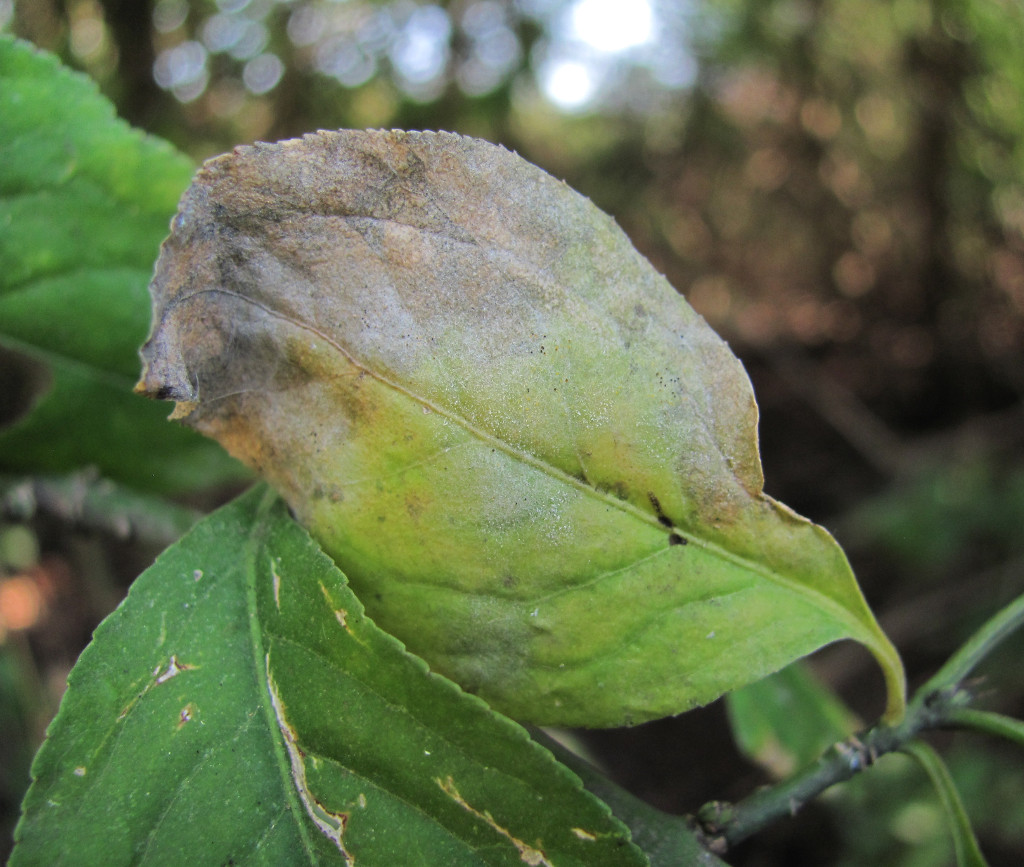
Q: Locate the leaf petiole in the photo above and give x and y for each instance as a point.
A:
(981, 644)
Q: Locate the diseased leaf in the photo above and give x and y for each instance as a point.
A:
(537, 465)
(84, 202)
(240, 708)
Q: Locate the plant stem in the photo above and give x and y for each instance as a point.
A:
(84, 499)
(977, 647)
(728, 824)
(941, 703)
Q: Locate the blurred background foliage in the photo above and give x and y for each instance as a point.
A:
(836, 185)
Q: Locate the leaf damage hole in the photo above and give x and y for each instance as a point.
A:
(277, 585)
(174, 668)
(331, 824)
(527, 854)
(589, 836)
(186, 715)
(340, 614)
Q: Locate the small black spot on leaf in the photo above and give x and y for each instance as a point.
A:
(656, 505)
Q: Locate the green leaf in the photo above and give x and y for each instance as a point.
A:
(968, 853)
(667, 840)
(239, 707)
(84, 202)
(536, 464)
(787, 720)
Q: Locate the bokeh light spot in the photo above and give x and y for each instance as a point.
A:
(169, 15)
(612, 26)
(261, 74)
(182, 70)
(569, 84)
(21, 603)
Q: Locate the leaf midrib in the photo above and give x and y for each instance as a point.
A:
(253, 543)
(858, 629)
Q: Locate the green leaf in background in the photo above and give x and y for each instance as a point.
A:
(84, 202)
(536, 464)
(240, 708)
(968, 853)
(787, 720)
